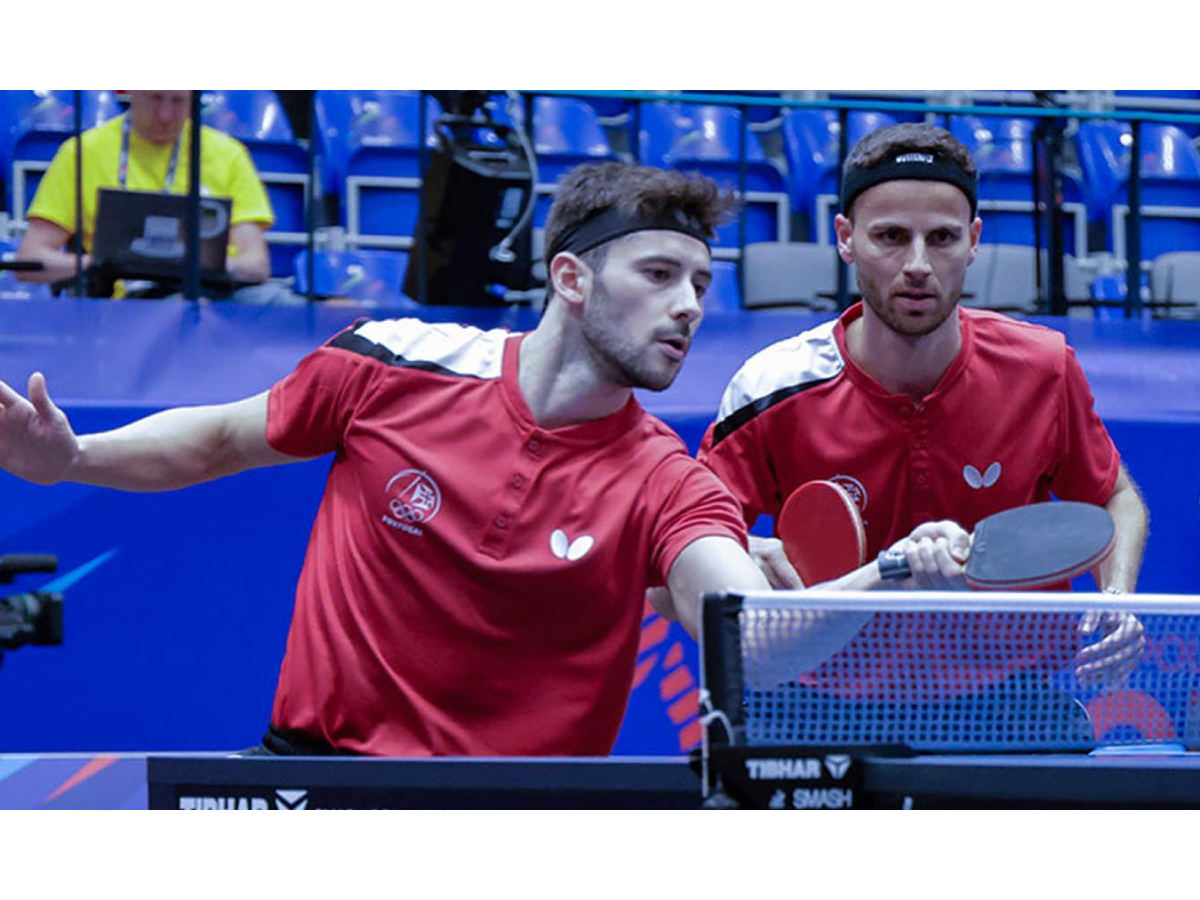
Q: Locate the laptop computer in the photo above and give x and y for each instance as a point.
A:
(143, 234)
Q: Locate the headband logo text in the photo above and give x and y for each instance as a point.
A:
(915, 157)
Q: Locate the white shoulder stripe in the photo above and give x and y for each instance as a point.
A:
(808, 357)
(461, 349)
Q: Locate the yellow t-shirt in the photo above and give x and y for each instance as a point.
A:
(226, 170)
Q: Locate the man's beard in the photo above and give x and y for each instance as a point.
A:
(626, 361)
(906, 326)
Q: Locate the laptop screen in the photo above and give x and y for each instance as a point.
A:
(141, 234)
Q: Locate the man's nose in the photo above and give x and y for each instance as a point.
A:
(917, 262)
(686, 304)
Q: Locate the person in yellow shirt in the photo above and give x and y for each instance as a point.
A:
(147, 149)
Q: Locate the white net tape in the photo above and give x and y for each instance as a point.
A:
(970, 671)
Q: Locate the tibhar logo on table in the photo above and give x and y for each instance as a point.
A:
(791, 769)
(281, 800)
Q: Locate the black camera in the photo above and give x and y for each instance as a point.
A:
(32, 618)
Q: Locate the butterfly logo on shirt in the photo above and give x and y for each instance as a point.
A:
(565, 548)
(986, 480)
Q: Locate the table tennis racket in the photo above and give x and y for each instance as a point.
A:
(1029, 546)
(822, 532)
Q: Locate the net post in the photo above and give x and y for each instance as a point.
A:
(721, 663)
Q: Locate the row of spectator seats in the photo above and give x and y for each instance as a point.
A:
(369, 147)
(776, 274)
(368, 144)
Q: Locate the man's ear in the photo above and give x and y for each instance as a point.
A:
(845, 237)
(975, 232)
(571, 277)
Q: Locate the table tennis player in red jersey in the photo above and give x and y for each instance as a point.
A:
(920, 408)
(497, 505)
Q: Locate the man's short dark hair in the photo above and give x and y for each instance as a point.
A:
(641, 191)
(893, 141)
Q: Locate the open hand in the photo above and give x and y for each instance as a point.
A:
(36, 440)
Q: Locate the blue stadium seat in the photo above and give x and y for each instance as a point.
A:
(811, 139)
(371, 276)
(37, 124)
(258, 120)
(708, 139)
(1004, 155)
(1170, 185)
(249, 116)
(371, 152)
(337, 112)
(566, 133)
(332, 112)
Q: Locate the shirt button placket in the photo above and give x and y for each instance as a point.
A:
(500, 529)
(919, 455)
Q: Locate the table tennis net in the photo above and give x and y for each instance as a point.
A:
(959, 680)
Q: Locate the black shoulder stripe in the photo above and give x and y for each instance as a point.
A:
(356, 343)
(737, 419)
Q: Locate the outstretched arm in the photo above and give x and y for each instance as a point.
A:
(934, 552)
(168, 450)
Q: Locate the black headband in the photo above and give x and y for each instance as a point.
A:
(610, 223)
(914, 165)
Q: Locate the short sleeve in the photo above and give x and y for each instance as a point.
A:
(692, 504)
(55, 197)
(250, 201)
(310, 411)
(1089, 462)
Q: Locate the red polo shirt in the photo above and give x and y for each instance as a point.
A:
(1010, 422)
(474, 583)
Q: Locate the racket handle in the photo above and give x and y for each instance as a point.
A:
(893, 564)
